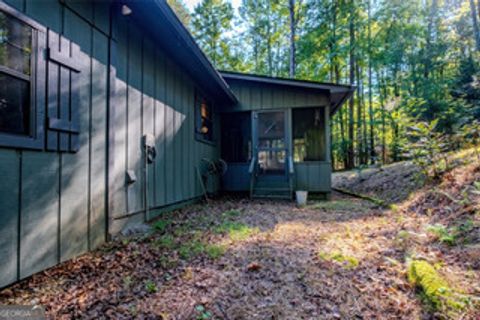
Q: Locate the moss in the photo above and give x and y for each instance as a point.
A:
(434, 289)
(347, 261)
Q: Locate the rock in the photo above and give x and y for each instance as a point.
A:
(136, 229)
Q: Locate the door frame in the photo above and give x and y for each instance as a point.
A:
(287, 134)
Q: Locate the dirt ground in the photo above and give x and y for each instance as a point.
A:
(240, 259)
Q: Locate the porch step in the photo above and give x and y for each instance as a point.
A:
(271, 196)
(277, 193)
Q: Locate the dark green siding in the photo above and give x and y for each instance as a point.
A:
(54, 203)
(313, 176)
(152, 95)
(259, 96)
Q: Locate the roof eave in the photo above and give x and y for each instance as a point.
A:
(221, 87)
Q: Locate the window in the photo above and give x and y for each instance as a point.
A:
(309, 141)
(204, 119)
(236, 137)
(15, 75)
(21, 42)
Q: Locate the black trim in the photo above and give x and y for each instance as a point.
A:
(34, 139)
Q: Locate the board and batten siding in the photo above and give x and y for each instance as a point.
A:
(314, 176)
(152, 95)
(260, 96)
(54, 204)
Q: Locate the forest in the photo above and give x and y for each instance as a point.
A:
(415, 65)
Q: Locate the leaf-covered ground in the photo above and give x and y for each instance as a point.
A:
(240, 259)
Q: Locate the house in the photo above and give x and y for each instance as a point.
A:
(110, 114)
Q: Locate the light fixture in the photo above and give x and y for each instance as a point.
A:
(126, 11)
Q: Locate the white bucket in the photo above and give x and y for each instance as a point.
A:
(301, 197)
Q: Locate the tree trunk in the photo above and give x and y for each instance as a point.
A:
(428, 46)
(478, 8)
(269, 41)
(476, 31)
(333, 44)
(359, 115)
(370, 94)
(351, 134)
(293, 24)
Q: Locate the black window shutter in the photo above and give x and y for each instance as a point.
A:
(63, 101)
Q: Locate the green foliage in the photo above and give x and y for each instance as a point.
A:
(427, 147)
(236, 231)
(444, 234)
(416, 58)
(215, 251)
(150, 286)
(210, 22)
(166, 242)
(161, 225)
(191, 249)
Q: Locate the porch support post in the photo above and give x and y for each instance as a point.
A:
(327, 133)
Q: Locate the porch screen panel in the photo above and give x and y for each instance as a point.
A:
(309, 143)
(236, 137)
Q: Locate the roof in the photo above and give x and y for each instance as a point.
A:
(157, 18)
(339, 93)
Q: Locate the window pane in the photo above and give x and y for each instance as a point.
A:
(272, 160)
(236, 137)
(14, 105)
(309, 134)
(15, 44)
(203, 121)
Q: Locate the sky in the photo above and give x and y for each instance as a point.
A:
(192, 3)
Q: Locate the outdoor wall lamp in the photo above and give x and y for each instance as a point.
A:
(126, 11)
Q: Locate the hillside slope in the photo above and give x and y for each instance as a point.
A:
(438, 221)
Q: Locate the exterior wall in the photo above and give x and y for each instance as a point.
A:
(54, 204)
(151, 95)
